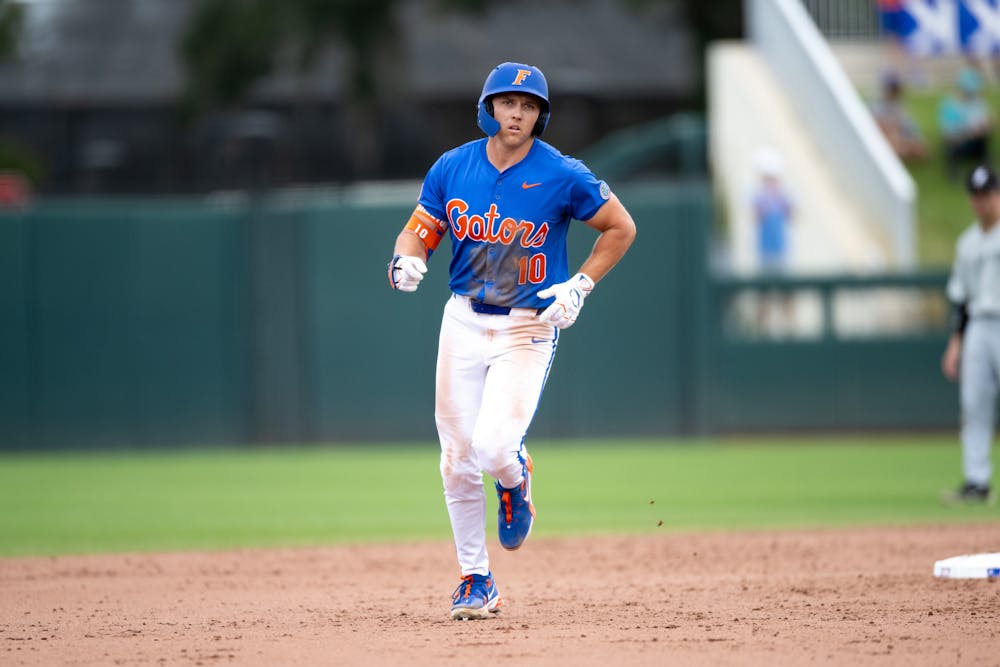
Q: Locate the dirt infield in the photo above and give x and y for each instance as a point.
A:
(830, 597)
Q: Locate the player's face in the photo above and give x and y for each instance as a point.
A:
(516, 113)
(986, 206)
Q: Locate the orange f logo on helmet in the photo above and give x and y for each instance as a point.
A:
(522, 74)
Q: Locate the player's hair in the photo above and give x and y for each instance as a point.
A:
(513, 78)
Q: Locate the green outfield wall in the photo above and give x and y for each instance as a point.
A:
(268, 319)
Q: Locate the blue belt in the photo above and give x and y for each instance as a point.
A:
(490, 309)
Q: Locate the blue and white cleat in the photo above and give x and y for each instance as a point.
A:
(516, 513)
(475, 598)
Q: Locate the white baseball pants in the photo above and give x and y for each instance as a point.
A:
(490, 373)
(980, 383)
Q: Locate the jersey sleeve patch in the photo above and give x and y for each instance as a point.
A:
(428, 229)
(587, 193)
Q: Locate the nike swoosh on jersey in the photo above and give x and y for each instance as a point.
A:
(540, 340)
(525, 185)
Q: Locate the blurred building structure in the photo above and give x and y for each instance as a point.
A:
(94, 92)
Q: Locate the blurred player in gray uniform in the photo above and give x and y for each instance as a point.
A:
(973, 352)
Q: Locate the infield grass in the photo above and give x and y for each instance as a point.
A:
(217, 498)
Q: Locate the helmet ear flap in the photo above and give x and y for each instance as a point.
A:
(487, 123)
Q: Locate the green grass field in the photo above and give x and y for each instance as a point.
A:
(223, 498)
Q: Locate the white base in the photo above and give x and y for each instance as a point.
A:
(969, 566)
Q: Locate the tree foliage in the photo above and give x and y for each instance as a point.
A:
(228, 45)
(15, 156)
(231, 44)
(11, 19)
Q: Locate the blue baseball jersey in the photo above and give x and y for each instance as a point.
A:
(508, 229)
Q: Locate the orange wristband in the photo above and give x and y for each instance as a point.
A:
(428, 229)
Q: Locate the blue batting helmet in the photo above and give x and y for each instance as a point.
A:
(513, 78)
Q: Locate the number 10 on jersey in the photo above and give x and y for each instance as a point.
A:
(531, 269)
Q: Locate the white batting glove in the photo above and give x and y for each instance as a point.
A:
(406, 272)
(569, 296)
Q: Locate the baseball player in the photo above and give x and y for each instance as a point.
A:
(507, 202)
(973, 352)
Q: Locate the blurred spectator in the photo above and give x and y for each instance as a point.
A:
(772, 209)
(966, 123)
(772, 212)
(896, 123)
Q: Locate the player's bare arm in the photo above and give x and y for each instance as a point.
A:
(617, 231)
(951, 360)
(409, 244)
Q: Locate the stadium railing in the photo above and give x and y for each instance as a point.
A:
(845, 19)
